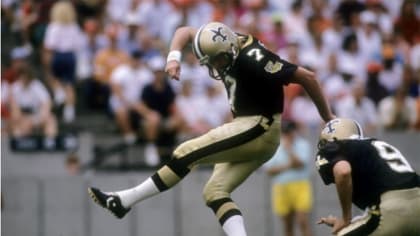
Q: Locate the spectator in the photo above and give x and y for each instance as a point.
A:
(368, 35)
(19, 57)
(194, 72)
(415, 58)
(295, 21)
(391, 75)
(398, 112)
(332, 37)
(276, 37)
(316, 54)
(310, 120)
(132, 27)
(215, 97)
(92, 41)
(151, 47)
(408, 22)
(25, 17)
(151, 13)
(256, 20)
(38, 29)
(291, 190)
(61, 43)
(374, 89)
(116, 9)
(382, 14)
(349, 11)
(359, 107)
(188, 107)
(337, 85)
(30, 107)
(290, 53)
(90, 9)
(159, 100)
(194, 109)
(105, 61)
(350, 57)
(127, 83)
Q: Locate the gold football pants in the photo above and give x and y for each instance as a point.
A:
(236, 148)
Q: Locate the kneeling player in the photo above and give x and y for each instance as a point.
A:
(374, 176)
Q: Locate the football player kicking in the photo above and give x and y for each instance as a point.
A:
(374, 176)
(254, 78)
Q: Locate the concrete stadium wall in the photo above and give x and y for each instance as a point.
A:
(52, 204)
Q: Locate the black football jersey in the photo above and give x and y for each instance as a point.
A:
(255, 81)
(377, 167)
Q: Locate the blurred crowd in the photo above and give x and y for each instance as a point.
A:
(109, 56)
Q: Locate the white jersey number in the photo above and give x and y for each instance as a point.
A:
(255, 52)
(393, 157)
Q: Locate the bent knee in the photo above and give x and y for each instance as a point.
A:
(211, 194)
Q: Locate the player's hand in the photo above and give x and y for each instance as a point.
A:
(336, 223)
(173, 68)
(327, 220)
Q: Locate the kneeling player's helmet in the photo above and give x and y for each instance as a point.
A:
(214, 42)
(341, 129)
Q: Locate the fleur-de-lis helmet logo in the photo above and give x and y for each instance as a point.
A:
(218, 33)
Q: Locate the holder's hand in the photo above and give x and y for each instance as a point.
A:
(336, 223)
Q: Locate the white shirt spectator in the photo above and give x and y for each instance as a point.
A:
(198, 75)
(194, 108)
(302, 104)
(151, 14)
(365, 113)
(188, 107)
(218, 103)
(86, 54)
(352, 63)
(30, 97)
(116, 9)
(335, 88)
(369, 44)
(317, 59)
(388, 108)
(132, 81)
(391, 78)
(393, 7)
(199, 14)
(63, 38)
(332, 38)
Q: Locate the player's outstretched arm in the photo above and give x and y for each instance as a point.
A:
(344, 185)
(181, 38)
(308, 81)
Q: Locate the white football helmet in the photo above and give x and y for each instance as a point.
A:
(341, 129)
(214, 42)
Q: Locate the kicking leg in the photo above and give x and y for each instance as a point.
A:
(119, 203)
(226, 177)
(236, 141)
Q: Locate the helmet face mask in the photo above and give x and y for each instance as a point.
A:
(216, 46)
